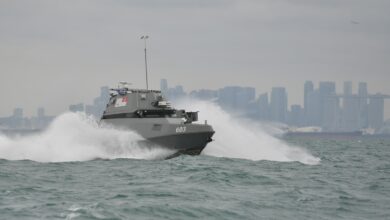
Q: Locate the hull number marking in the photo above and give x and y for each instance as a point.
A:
(181, 129)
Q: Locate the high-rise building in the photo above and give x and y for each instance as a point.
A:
(376, 111)
(313, 109)
(332, 113)
(236, 98)
(347, 88)
(326, 89)
(296, 115)
(17, 120)
(362, 90)
(363, 105)
(351, 113)
(41, 121)
(355, 108)
(308, 88)
(263, 106)
(278, 104)
(245, 96)
(164, 85)
(348, 108)
(176, 93)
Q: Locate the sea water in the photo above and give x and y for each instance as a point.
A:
(80, 169)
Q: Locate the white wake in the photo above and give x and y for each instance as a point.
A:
(236, 138)
(77, 137)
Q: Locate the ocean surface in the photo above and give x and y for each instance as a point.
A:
(77, 169)
(352, 181)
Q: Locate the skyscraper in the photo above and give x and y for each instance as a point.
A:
(313, 115)
(263, 106)
(164, 85)
(308, 88)
(278, 105)
(326, 89)
(347, 88)
(351, 113)
(296, 115)
(363, 105)
(362, 90)
(332, 113)
(236, 97)
(376, 111)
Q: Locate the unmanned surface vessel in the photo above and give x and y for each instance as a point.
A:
(149, 114)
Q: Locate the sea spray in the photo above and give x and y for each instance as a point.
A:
(237, 138)
(78, 137)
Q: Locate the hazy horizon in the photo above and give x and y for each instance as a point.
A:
(53, 54)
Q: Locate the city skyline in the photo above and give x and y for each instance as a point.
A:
(322, 106)
(339, 89)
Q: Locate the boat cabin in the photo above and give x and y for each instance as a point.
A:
(142, 103)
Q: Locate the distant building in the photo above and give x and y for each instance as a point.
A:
(263, 107)
(172, 93)
(355, 107)
(308, 89)
(41, 121)
(236, 98)
(351, 113)
(99, 103)
(363, 105)
(376, 111)
(326, 89)
(362, 90)
(331, 113)
(313, 109)
(176, 93)
(296, 115)
(204, 94)
(76, 107)
(347, 88)
(278, 104)
(17, 120)
(163, 85)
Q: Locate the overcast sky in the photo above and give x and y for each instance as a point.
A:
(54, 53)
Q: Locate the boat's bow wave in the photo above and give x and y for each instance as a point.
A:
(78, 137)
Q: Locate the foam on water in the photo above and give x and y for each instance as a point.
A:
(77, 137)
(238, 138)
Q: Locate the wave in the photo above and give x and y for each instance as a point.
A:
(78, 137)
(239, 138)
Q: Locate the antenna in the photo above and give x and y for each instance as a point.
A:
(144, 37)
